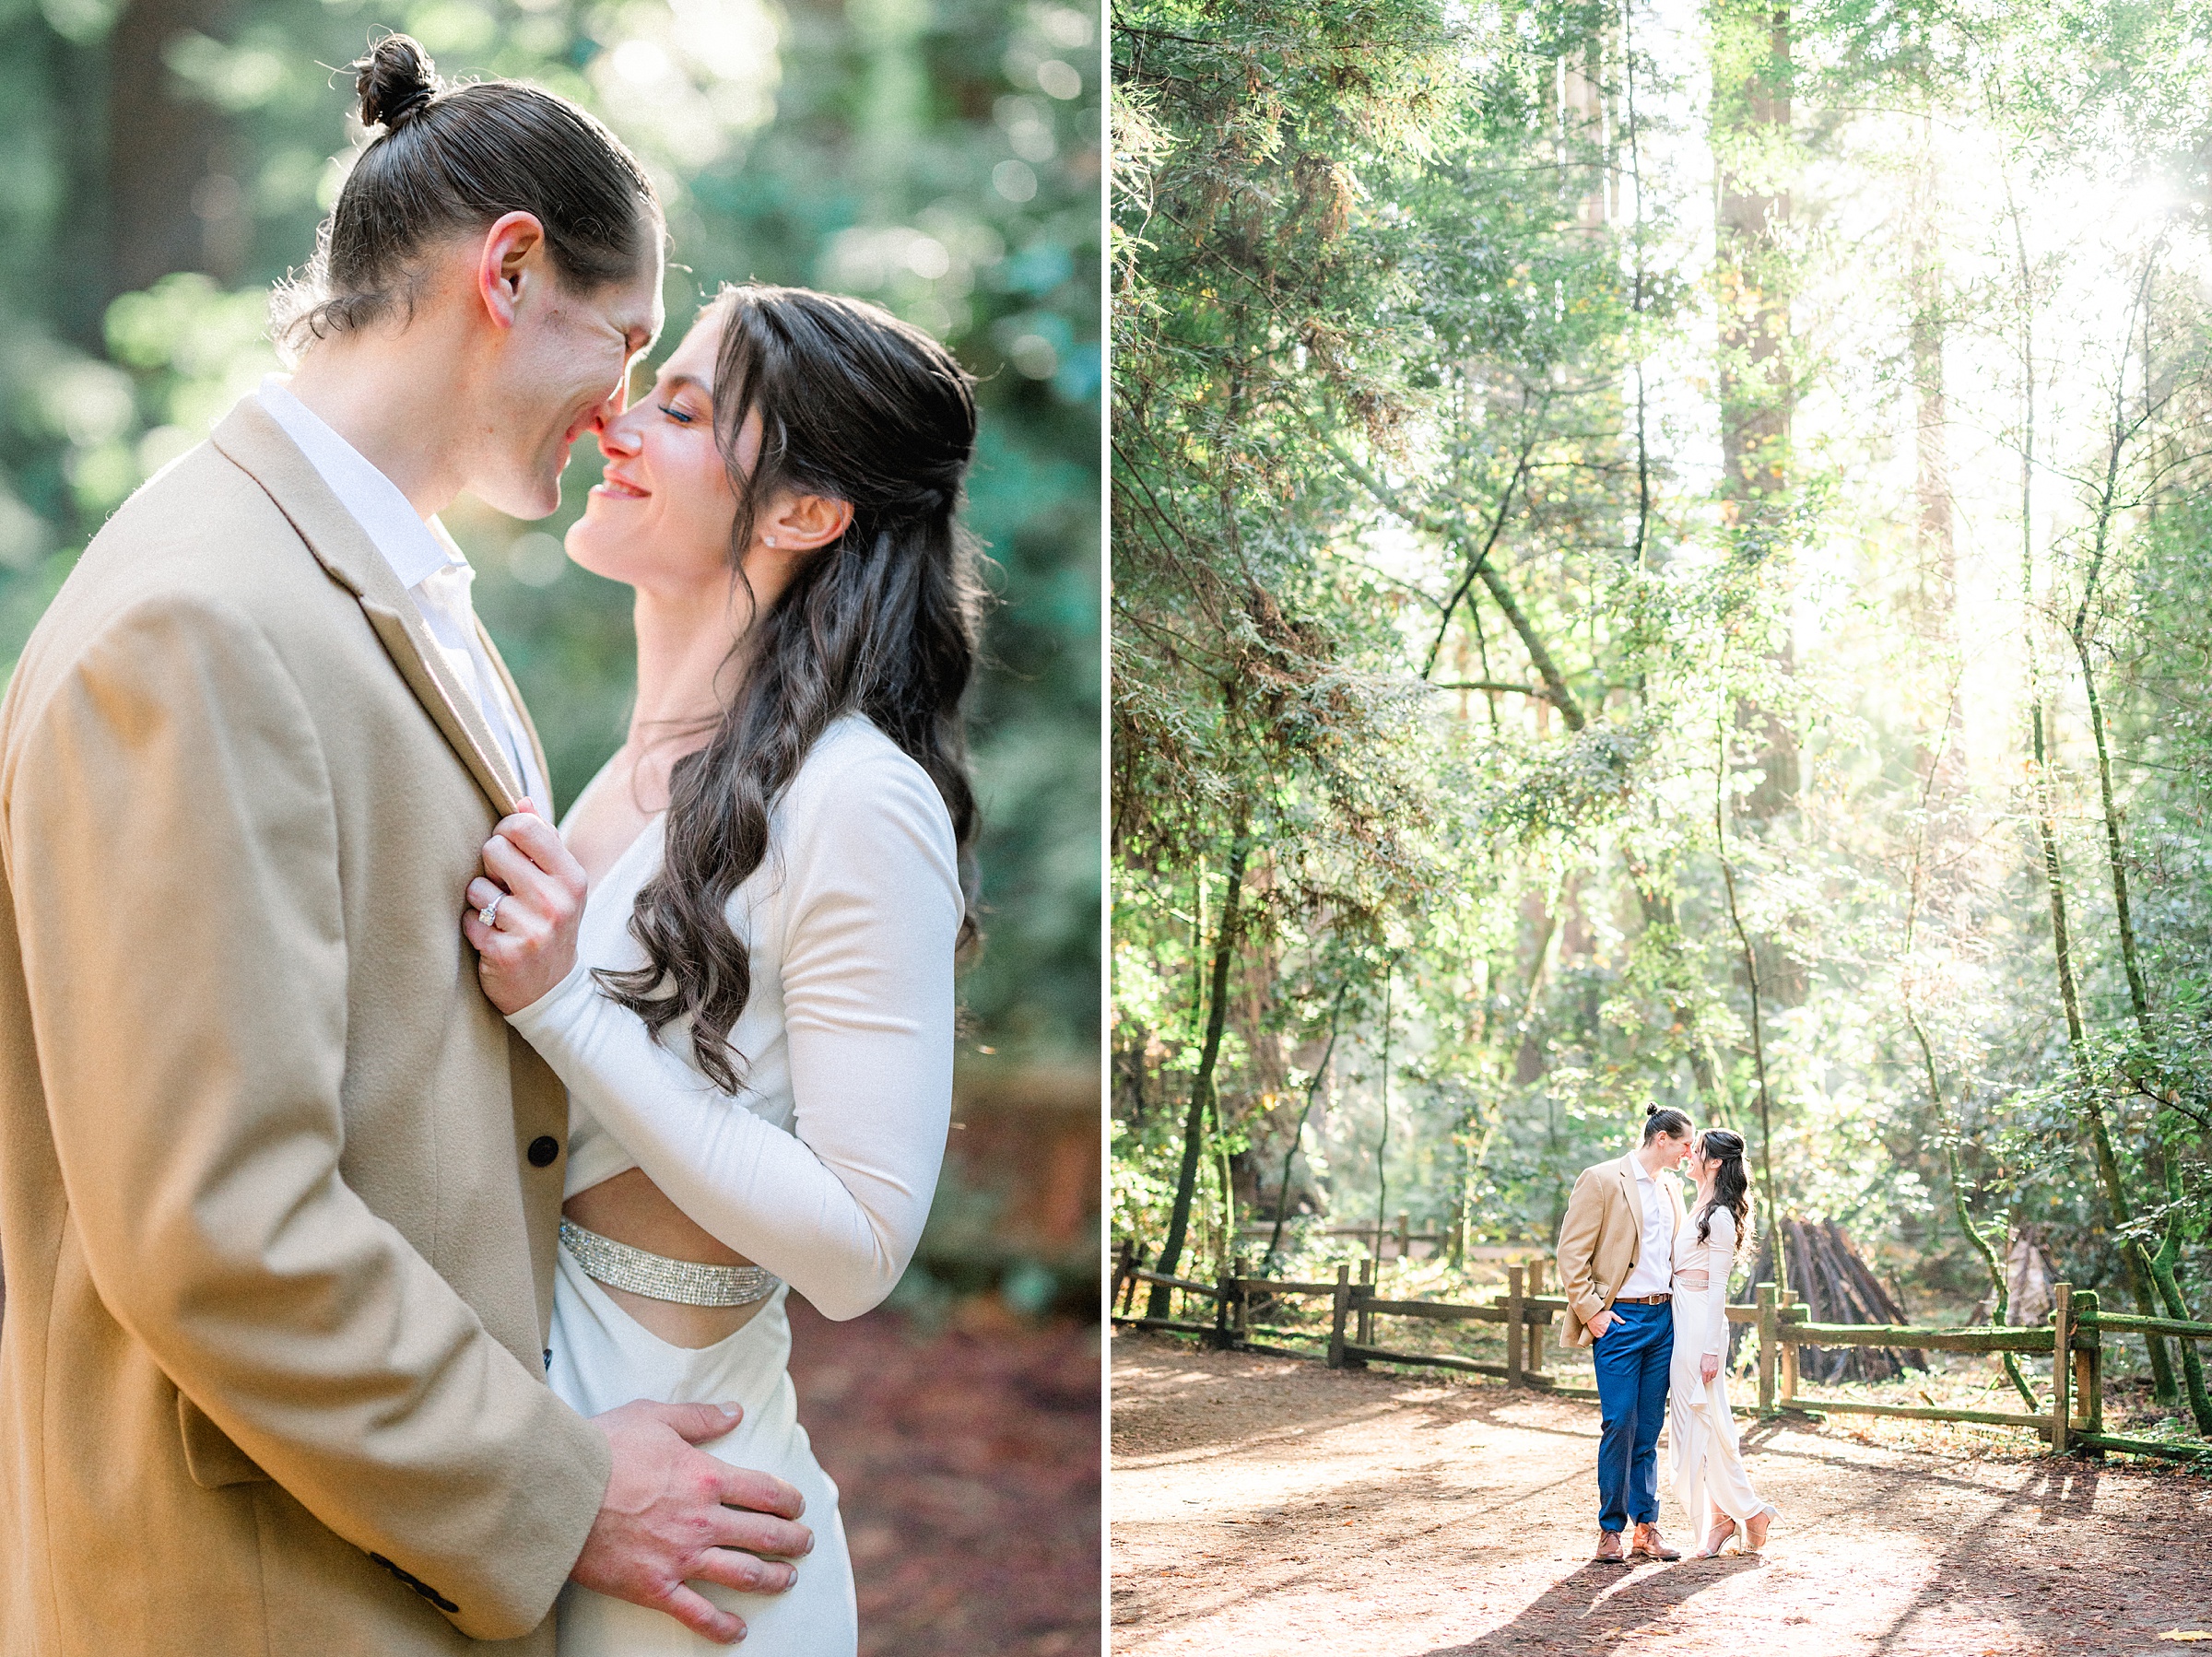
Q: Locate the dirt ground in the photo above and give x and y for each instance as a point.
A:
(1265, 1505)
(967, 1464)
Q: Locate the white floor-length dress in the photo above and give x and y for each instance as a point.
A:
(821, 1169)
(1705, 1459)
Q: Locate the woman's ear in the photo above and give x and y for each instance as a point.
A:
(803, 523)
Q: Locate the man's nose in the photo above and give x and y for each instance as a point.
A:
(615, 404)
(613, 431)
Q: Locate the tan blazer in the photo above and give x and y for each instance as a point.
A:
(278, 1186)
(1602, 1238)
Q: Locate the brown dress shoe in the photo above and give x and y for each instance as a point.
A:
(1608, 1549)
(1651, 1544)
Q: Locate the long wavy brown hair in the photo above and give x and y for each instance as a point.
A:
(854, 406)
(1731, 1185)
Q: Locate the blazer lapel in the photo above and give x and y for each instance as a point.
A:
(1628, 1188)
(521, 711)
(343, 547)
(456, 712)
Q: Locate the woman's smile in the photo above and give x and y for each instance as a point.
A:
(617, 487)
(662, 448)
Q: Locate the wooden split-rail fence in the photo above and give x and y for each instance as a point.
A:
(2074, 1419)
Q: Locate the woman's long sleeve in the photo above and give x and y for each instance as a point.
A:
(1720, 1260)
(871, 909)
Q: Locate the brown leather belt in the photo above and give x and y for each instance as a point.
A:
(1642, 1300)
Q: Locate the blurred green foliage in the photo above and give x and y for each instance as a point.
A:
(163, 162)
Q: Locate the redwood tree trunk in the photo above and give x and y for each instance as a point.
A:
(172, 203)
(1202, 1084)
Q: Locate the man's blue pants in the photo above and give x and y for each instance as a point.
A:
(1632, 1358)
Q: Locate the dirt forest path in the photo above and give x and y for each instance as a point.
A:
(1264, 1505)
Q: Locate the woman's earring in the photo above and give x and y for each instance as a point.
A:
(770, 539)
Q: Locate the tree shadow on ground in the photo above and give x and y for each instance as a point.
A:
(1488, 1405)
(1292, 1544)
(1988, 1572)
(2016, 1553)
(1593, 1602)
(1177, 1418)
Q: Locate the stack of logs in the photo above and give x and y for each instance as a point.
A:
(1837, 1287)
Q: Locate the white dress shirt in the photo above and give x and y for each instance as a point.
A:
(1653, 1272)
(428, 565)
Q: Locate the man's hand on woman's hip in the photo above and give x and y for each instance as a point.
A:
(672, 1514)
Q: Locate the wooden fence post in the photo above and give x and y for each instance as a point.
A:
(1225, 1290)
(2088, 1367)
(1515, 1277)
(1789, 1359)
(1404, 1235)
(1336, 1314)
(2062, 1365)
(1367, 1319)
(1768, 1344)
(1535, 1331)
(1124, 1276)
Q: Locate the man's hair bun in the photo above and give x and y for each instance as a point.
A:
(394, 81)
(485, 149)
(1652, 1109)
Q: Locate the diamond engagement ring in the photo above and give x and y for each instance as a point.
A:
(490, 913)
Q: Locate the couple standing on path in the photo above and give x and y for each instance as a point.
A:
(1647, 1285)
(397, 1197)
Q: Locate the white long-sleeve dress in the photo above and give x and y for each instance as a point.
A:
(821, 1170)
(1705, 1459)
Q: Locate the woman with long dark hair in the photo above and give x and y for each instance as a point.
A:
(755, 1017)
(1703, 1455)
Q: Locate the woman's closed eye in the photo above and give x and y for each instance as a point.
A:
(681, 417)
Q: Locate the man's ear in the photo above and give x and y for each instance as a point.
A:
(510, 258)
(804, 523)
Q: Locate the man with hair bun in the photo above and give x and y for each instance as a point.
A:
(1616, 1255)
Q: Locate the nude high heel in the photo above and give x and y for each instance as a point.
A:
(1763, 1519)
(1723, 1533)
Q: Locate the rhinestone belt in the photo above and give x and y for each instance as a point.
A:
(686, 1282)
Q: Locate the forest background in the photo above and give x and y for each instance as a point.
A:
(163, 162)
(1660, 554)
